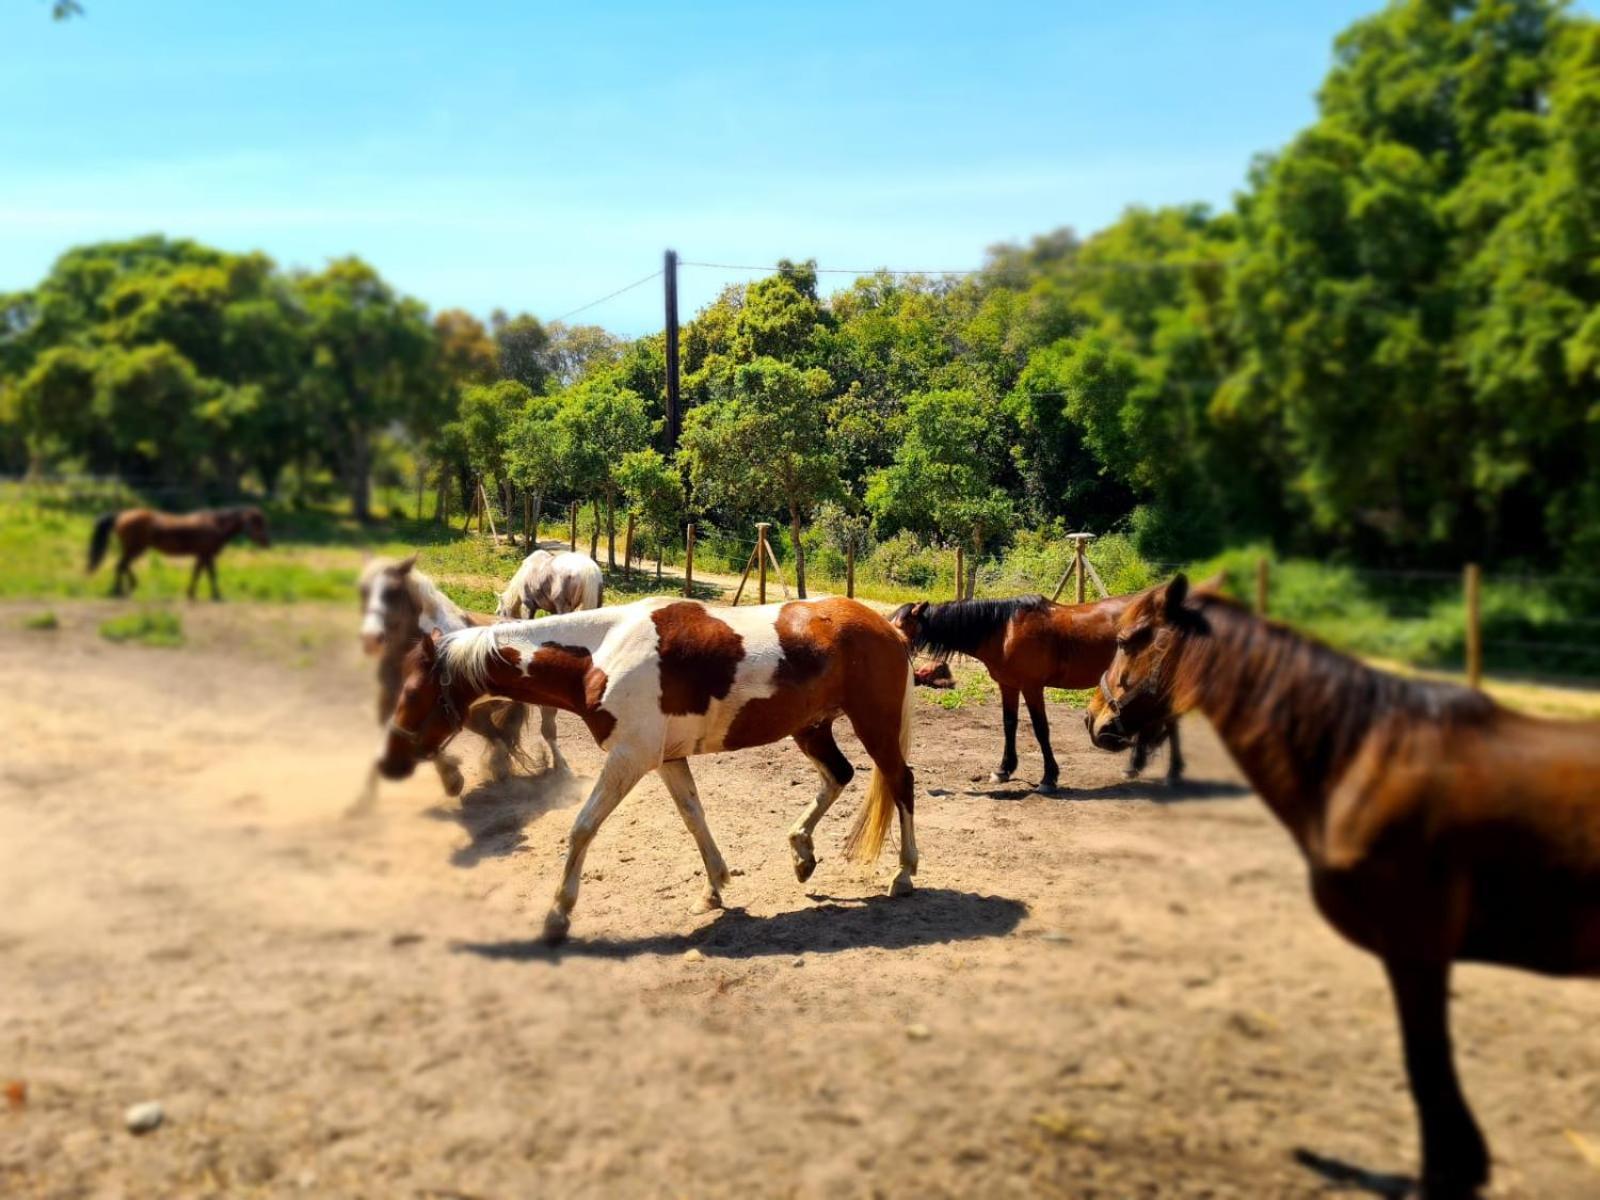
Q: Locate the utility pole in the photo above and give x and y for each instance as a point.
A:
(674, 417)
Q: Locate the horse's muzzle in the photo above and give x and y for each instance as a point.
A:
(395, 769)
(1109, 735)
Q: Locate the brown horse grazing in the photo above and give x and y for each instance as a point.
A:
(657, 681)
(1029, 644)
(1437, 825)
(201, 534)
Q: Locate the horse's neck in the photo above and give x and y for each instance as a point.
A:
(1293, 725)
(435, 609)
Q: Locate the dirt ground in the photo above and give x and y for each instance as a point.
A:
(1114, 992)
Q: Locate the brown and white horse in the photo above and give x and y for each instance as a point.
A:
(1029, 644)
(401, 606)
(658, 681)
(1437, 825)
(200, 534)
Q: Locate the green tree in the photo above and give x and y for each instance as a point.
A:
(762, 443)
(654, 489)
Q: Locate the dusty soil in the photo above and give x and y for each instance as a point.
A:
(1109, 993)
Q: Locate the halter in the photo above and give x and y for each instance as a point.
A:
(413, 737)
(1150, 683)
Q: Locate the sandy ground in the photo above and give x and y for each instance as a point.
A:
(1100, 994)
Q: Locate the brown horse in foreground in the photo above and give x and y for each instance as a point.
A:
(201, 534)
(1437, 825)
(1029, 644)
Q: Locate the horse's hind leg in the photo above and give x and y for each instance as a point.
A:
(211, 572)
(194, 575)
(835, 772)
(124, 571)
(680, 783)
(888, 759)
(1041, 733)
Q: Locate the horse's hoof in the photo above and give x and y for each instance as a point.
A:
(453, 782)
(1174, 782)
(804, 868)
(999, 776)
(556, 924)
(710, 902)
(1049, 787)
(1131, 773)
(902, 885)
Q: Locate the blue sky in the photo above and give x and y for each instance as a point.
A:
(534, 156)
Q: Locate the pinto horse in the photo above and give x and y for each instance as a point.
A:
(660, 680)
(1029, 644)
(1437, 825)
(557, 583)
(401, 606)
(201, 534)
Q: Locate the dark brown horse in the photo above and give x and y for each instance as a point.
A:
(1029, 644)
(1437, 825)
(201, 534)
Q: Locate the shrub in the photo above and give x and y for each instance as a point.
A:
(149, 626)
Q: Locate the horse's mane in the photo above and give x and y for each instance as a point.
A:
(464, 654)
(1281, 683)
(961, 626)
(437, 611)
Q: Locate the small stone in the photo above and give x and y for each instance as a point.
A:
(918, 1032)
(16, 1095)
(1055, 935)
(693, 956)
(142, 1118)
(799, 962)
(735, 870)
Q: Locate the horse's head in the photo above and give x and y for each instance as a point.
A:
(254, 523)
(908, 620)
(388, 610)
(1137, 691)
(428, 714)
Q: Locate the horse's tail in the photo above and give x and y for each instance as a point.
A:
(867, 835)
(100, 539)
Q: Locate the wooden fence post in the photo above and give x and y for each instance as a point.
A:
(1261, 586)
(688, 560)
(572, 514)
(850, 569)
(627, 549)
(961, 572)
(1472, 581)
(761, 558)
(1077, 562)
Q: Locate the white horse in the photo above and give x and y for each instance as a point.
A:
(558, 583)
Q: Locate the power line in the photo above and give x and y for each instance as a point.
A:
(608, 296)
(1075, 265)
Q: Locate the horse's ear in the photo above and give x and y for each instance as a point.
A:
(1212, 586)
(919, 608)
(405, 565)
(1176, 593)
(430, 646)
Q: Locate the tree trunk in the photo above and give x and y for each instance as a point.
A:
(799, 551)
(358, 479)
(611, 532)
(538, 514)
(594, 534)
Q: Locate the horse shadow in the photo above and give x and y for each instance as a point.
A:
(1154, 791)
(494, 814)
(1347, 1177)
(931, 916)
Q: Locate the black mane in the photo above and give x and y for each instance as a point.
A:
(961, 626)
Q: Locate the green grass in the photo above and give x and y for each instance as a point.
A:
(42, 621)
(147, 626)
(972, 686)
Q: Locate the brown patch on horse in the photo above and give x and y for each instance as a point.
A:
(699, 655)
(560, 677)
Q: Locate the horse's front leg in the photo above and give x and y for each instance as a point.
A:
(1008, 719)
(194, 576)
(1041, 732)
(686, 796)
(211, 573)
(1455, 1160)
(622, 770)
(1174, 755)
